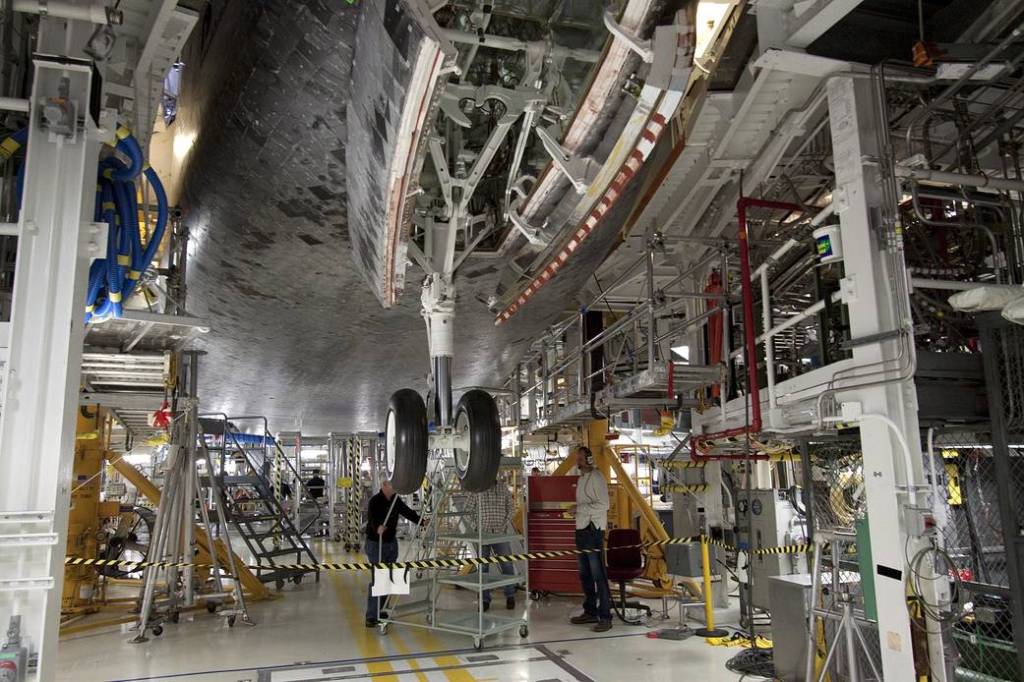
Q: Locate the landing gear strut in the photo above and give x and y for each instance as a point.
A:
(472, 432)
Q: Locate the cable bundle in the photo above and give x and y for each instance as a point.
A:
(112, 279)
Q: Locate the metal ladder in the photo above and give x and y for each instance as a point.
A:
(174, 539)
(250, 505)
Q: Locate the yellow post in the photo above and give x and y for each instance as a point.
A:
(709, 629)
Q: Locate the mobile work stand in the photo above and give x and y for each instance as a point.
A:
(450, 533)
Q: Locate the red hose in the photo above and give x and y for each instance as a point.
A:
(747, 287)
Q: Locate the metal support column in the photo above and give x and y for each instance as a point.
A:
(40, 382)
(876, 307)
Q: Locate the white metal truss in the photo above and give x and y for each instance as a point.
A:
(37, 426)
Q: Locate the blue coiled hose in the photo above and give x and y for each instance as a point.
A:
(114, 278)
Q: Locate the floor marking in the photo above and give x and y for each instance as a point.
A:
(439, 668)
(577, 674)
(432, 642)
(400, 645)
(391, 657)
(368, 644)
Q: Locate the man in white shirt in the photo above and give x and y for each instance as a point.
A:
(591, 521)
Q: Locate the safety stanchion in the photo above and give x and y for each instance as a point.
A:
(709, 629)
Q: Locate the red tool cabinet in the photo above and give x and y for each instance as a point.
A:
(552, 525)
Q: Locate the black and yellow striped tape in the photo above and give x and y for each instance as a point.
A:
(436, 562)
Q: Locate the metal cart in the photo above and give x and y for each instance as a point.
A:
(449, 534)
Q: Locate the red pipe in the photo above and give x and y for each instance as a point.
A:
(747, 287)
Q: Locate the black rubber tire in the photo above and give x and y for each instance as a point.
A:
(297, 579)
(157, 631)
(481, 412)
(211, 607)
(410, 455)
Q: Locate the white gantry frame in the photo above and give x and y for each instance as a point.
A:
(40, 389)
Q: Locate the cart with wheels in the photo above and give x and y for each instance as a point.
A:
(450, 534)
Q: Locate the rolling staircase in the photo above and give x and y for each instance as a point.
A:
(251, 507)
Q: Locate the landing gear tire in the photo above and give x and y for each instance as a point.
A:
(405, 443)
(477, 467)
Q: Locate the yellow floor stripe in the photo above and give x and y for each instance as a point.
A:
(366, 639)
(428, 640)
(370, 646)
(403, 649)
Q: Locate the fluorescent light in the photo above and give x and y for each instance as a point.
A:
(182, 144)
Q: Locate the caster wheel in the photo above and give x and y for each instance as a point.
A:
(211, 607)
(279, 584)
(231, 621)
(405, 441)
(157, 631)
(524, 631)
(478, 643)
(297, 579)
(535, 595)
(430, 619)
(477, 415)
(383, 627)
(175, 617)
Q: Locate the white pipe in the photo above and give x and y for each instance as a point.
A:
(94, 12)
(823, 214)
(769, 348)
(13, 104)
(9, 230)
(907, 459)
(641, 47)
(774, 258)
(937, 509)
(960, 179)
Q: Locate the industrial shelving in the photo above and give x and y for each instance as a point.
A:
(450, 533)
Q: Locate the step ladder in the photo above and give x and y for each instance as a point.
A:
(251, 506)
(171, 586)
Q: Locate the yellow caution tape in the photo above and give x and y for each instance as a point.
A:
(676, 488)
(430, 563)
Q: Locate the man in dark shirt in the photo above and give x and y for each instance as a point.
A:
(315, 486)
(381, 544)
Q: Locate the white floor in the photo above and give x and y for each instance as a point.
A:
(316, 632)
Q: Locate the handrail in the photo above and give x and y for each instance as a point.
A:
(749, 333)
(268, 437)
